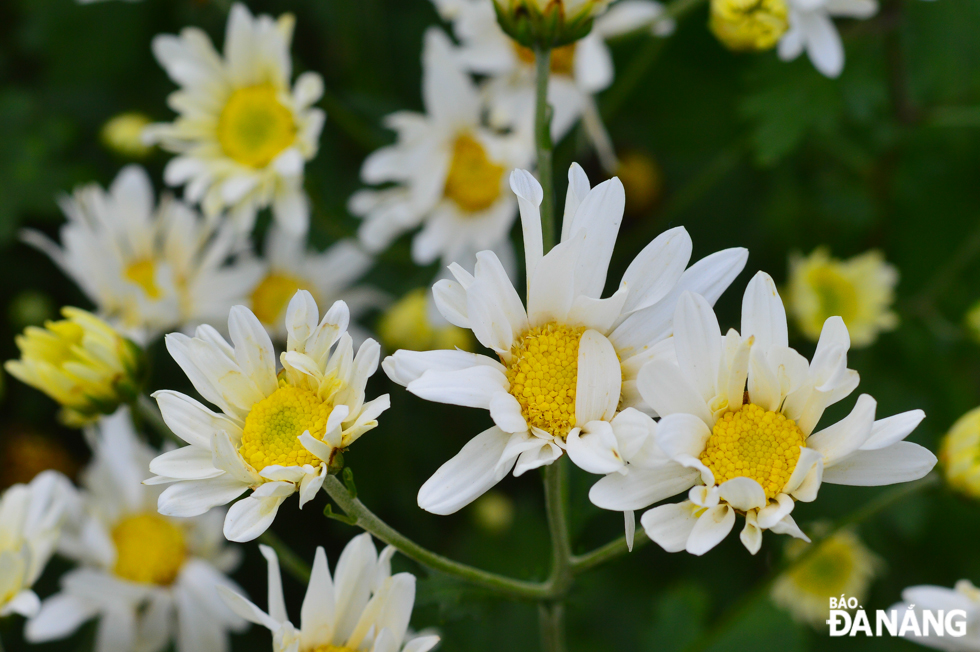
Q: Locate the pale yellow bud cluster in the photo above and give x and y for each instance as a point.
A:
(408, 325)
(547, 23)
(749, 25)
(959, 454)
(123, 134)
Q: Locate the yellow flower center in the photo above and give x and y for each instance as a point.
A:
(143, 273)
(254, 126)
(473, 181)
(273, 427)
(149, 549)
(272, 295)
(836, 293)
(749, 25)
(543, 375)
(562, 59)
(754, 443)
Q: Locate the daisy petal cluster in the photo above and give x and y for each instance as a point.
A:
(243, 134)
(565, 375)
(31, 516)
(963, 596)
(148, 579)
(276, 433)
(742, 411)
(362, 606)
(811, 28)
(148, 268)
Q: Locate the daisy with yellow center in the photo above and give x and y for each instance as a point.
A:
(739, 413)
(148, 579)
(243, 134)
(923, 599)
(277, 433)
(450, 172)
(361, 607)
(148, 268)
(861, 290)
(564, 377)
(959, 454)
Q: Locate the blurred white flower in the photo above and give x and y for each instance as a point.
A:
(30, 523)
(811, 28)
(148, 579)
(566, 376)
(707, 418)
(148, 268)
(362, 607)
(277, 434)
(964, 596)
(243, 134)
(450, 171)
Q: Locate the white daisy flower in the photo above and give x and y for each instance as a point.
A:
(329, 275)
(566, 375)
(755, 451)
(964, 596)
(362, 607)
(148, 579)
(811, 28)
(277, 433)
(30, 524)
(450, 171)
(148, 268)
(243, 134)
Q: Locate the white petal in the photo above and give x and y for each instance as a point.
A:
(600, 216)
(656, 269)
(244, 608)
(682, 434)
(776, 511)
(848, 434)
(494, 309)
(319, 608)
(900, 462)
(890, 430)
(670, 526)
(743, 493)
(764, 388)
(809, 458)
(505, 411)
(578, 188)
(664, 388)
(641, 487)
(253, 348)
(195, 497)
(277, 602)
(468, 475)
(473, 387)
(751, 535)
(190, 420)
(595, 449)
(763, 314)
(406, 366)
(60, 616)
(251, 516)
(551, 292)
(187, 463)
(697, 341)
(712, 527)
(537, 456)
(600, 379)
(823, 44)
(529, 198)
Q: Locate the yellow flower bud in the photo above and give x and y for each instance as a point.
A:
(493, 512)
(547, 23)
(749, 25)
(80, 362)
(409, 324)
(972, 322)
(959, 454)
(123, 135)
(643, 181)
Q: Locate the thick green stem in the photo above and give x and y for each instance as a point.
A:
(552, 618)
(544, 146)
(369, 522)
(290, 561)
(557, 508)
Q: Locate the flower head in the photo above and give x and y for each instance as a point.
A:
(30, 523)
(564, 376)
(963, 596)
(277, 433)
(959, 454)
(547, 23)
(362, 607)
(748, 25)
(860, 290)
(414, 323)
(148, 268)
(243, 134)
(82, 363)
(149, 579)
(739, 413)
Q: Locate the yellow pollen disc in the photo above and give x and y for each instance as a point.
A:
(754, 443)
(142, 273)
(254, 126)
(473, 181)
(562, 59)
(836, 293)
(543, 375)
(272, 295)
(273, 427)
(149, 549)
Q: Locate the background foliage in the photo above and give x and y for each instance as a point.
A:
(754, 152)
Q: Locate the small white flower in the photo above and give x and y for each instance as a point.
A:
(565, 377)
(30, 523)
(964, 596)
(707, 417)
(811, 28)
(147, 268)
(243, 134)
(450, 171)
(362, 607)
(277, 433)
(148, 579)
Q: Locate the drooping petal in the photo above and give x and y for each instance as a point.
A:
(711, 528)
(468, 475)
(641, 487)
(670, 526)
(900, 462)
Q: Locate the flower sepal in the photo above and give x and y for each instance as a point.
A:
(547, 23)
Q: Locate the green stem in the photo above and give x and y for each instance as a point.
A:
(544, 146)
(557, 508)
(149, 413)
(369, 522)
(608, 552)
(761, 591)
(349, 122)
(289, 560)
(552, 618)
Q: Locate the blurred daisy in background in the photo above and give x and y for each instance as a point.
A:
(30, 523)
(291, 265)
(148, 268)
(277, 433)
(566, 375)
(123, 135)
(450, 172)
(243, 135)
(755, 452)
(840, 565)
(959, 454)
(860, 290)
(964, 595)
(811, 28)
(148, 579)
(414, 322)
(361, 607)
